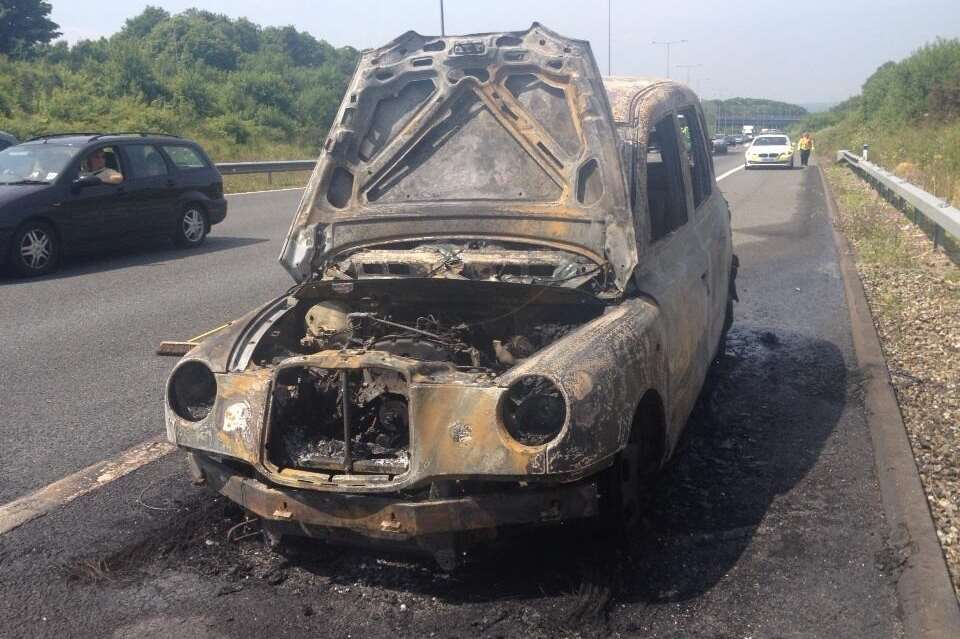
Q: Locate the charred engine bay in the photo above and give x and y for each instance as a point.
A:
(483, 328)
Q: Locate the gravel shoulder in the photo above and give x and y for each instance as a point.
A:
(914, 296)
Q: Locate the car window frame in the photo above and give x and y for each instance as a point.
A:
(128, 157)
(77, 161)
(704, 162)
(207, 163)
(683, 196)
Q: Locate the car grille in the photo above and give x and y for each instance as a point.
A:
(352, 421)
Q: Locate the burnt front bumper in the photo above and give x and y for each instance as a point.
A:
(378, 517)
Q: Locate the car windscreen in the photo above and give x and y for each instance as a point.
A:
(776, 140)
(34, 163)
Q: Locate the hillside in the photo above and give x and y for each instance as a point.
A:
(909, 114)
(244, 91)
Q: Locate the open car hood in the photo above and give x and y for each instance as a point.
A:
(506, 137)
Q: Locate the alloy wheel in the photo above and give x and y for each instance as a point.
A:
(193, 225)
(36, 249)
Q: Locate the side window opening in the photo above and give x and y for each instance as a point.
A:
(146, 160)
(666, 199)
(696, 154)
(183, 157)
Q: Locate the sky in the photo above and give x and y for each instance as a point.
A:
(812, 51)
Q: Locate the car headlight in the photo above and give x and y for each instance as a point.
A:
(192, 391)
(533, 410)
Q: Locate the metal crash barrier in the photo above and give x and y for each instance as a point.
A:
(279, 166)
(938, 212)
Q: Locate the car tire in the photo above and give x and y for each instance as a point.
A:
(727, 324)
(192, 226)
(35, 249)
(627, 491)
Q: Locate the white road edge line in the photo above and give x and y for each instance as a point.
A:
(729, 173)
(62, 492)
(292, 188)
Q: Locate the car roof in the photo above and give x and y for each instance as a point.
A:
(625, 91)
(82, 139)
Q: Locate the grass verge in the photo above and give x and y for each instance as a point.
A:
(260, 181)
(914, 296)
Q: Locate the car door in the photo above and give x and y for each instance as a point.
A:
(711, 220)
(673, 266)
(89, 214)
(150, 189)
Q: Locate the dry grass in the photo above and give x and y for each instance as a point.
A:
(260, 181)
(914, 296)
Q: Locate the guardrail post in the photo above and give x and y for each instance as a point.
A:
(866, 152)
(270, 178)
(936, 236)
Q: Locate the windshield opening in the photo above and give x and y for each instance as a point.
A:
(777, 140)
(41, 163)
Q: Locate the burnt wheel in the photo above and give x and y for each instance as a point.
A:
(35, 249)
(191, 226)
(628, 492)
(727, 324)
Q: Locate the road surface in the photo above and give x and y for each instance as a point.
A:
(769, 523)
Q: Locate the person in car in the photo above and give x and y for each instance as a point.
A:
(95, 165)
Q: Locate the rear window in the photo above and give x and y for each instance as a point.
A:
(183, 157)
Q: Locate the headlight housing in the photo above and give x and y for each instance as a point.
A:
(192, 391)
(533, 410)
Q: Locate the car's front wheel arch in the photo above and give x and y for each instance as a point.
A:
(628, 485)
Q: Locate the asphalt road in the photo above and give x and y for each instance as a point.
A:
(768, 524)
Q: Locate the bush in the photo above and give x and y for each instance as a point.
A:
(909, 114)
(235, 87)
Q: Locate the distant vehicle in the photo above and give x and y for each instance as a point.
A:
(747, 129)
(7, 140)
(731, 140)
(769, 150)
(740, 139)
(155, 185)
(720, 145)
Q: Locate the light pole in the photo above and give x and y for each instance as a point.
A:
(609, 37)
(667, 44)
(688, 67)
(443, 30)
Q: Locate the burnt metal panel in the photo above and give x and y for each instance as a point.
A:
(478, 136)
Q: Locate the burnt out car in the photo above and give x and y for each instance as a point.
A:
(512, 276)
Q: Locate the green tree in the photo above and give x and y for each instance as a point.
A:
(140, 26)
(23, 25)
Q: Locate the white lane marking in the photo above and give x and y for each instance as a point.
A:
(729, 173)
(62, 492)
(292, 188)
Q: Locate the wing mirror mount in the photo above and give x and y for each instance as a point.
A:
(84, 181)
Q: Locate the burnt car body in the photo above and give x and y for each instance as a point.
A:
(512, 276)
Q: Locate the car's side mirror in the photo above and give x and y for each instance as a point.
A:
(87, 180)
